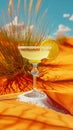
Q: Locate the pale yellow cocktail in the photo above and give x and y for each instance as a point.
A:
(35, 53)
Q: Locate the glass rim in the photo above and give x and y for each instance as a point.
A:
(34, 47)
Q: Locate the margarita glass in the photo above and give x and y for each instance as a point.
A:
(35, 54)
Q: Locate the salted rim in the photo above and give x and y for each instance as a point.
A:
(34, 47)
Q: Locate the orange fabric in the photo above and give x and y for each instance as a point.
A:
(21, 116)
(56, 79)
(58, 76)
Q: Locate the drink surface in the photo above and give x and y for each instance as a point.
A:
(34, 54)
(47, 49)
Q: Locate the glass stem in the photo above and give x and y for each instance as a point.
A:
(34, 82)
(34, 72)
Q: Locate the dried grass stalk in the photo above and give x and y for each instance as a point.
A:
(42, 17)
(25, 6)
(12, 4)
(9, 12)
(24, 11)
(11, 61)
(30, 6)
(11, 8)
(31, 37)
(35, 15)
(29, 11)
(38, 6)
(18, 6)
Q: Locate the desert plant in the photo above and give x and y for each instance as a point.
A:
(13, 67)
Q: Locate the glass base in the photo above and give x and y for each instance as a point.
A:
(40, 99)
(34, 97)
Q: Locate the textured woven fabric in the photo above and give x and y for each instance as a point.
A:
(56, 80)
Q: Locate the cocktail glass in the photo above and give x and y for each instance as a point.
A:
(35, 54)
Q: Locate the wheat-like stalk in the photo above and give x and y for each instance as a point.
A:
(42, 17)
(29, 11)
(10, 12)
(25, 6)
(40, 21)
(18, 15)
(11, 3)
(18, 6)
(12, 6)
(11, 61)
(25, 11)
(38, 6)
(32, 36)
(30, 6)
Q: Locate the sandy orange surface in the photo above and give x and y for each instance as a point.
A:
(56, 80)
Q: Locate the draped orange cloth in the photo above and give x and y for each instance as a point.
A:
(22, 116)
(56, 80)
(58, 76)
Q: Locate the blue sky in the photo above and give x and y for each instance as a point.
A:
(59, 15)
